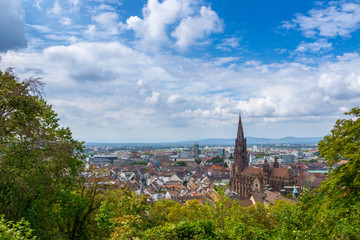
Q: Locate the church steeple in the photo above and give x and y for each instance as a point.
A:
(241, 156)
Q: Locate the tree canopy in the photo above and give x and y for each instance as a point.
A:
(39, 160)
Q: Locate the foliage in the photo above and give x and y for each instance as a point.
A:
(216, 160)
(139, 163)
(15, 231)
(39, 164)
(343, 143)
(196, 230)
(123, 214)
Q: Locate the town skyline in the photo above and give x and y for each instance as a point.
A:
(175, 70)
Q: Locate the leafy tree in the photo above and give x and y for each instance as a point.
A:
(15, 231)
(343, 143)
(39, 160)
(123, 214)
(340, 193)
(196, 230)
(216, 160)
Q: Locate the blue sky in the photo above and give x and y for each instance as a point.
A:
(152, 71)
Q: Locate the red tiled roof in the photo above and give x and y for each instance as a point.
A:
(280, 172)
(252, 171)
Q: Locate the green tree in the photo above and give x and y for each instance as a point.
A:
(216, 160)
(38, 159)
(123, 214)
(15, 231)
(343, 143)
(338, 197)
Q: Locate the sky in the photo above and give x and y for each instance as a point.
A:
(171, 70)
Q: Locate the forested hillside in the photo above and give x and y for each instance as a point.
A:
(45, 193)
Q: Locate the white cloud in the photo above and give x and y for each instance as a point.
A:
(108, 21)
(96, 87)
(227, 44)
(194, 28)
(65, 21)
(318, 46)
(337, 19)
(105, 7)
(90, 32)
(55, 10)
(157, 17)
(41, 28)
(172, 98)
(183, 18)
(153, 99)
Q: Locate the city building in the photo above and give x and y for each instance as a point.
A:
(249, 180)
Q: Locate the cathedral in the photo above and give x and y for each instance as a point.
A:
(249, 180)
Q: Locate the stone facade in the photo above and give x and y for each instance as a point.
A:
(249, 180)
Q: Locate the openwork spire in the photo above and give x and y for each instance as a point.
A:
(240, 158)
(240, 133)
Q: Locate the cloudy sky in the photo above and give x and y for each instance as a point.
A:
(168, 70)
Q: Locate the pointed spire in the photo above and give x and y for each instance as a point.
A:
(240, 154)
(240, 158)
(240, 133)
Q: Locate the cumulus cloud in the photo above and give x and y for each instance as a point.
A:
(12, 26)
(337, 19)
(159, 18)
(108, 21)
(112, 85)
(93, 64)
(194, 28)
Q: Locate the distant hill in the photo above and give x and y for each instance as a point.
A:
(218, 142)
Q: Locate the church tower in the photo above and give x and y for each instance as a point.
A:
(240, 157)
